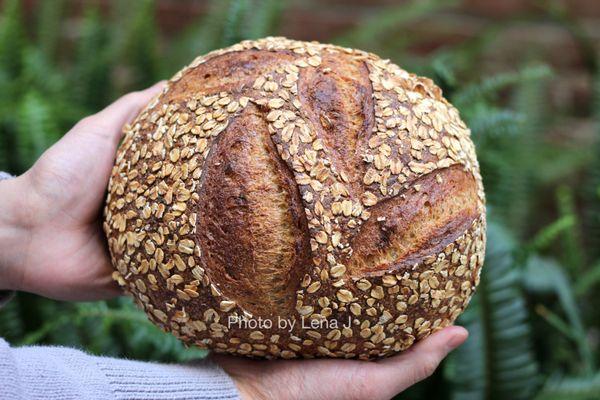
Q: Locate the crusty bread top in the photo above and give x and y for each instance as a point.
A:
(278, 178)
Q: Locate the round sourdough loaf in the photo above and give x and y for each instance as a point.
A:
(291, 199)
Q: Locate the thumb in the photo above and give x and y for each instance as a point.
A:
(109, 122)
(80, 163)
(421, 360)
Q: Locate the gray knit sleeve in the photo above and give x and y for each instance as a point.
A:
(54, 373)
(57, 373)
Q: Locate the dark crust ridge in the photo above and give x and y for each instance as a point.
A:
(337, 98)
(403, 230)
(229, 72)
(253, 233)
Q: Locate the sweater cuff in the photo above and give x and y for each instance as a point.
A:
(54, 373)
(202, 380)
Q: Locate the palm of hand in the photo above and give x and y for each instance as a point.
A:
(66, 256)
(330, 379)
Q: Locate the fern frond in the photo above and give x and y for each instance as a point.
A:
(235, 23)
(506, 141)
(145, 340)
(561, 163)
(588, 279)
(556, 322)
(11, 322)
(572, 252)
(489, 87)
(12, 39)
(497, 360)
(226, 23)
(136, 43)
(36, 128)
(12, 43)
(507, 186)
(198, 38)
(115, 328)
(388, 19)
(40, 73)
(591, 210)
(90, 81)
(494, 122)
(548, 234)
(546, 275)
(264, 18)
(519, 194)
(571, 388)
(49, 27)
(442, 70)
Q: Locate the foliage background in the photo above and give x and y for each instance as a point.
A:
(534, 321)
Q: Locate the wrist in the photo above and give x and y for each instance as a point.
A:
(244, 375)
(248, 390)
(14, 232)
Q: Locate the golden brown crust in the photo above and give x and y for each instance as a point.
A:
(297, 183)
(252, 220)
(416, 223)
(337, 100)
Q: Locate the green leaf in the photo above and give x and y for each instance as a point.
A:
(498, 122)
(588, 279)
(571, 388)
(264, 18)
(91, 83)
(12, 39)
(497, 361)
(546, 275)
(548, 234)
(136, 42)
(12, 44)
(36, 127)
(572, 252)
(49, 26)
(591, 186)
(235, 23)
(394, 18)
(489, 87)
(11, 323)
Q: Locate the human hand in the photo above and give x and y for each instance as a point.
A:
(331, 379)
(51, 240)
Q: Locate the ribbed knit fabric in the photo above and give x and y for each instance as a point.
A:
(57, 373)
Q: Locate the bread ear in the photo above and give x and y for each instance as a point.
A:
(337, 99)
(252, 226)
(406, 229)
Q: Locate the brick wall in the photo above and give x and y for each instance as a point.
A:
(326, 19)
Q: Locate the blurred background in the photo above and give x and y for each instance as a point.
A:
(525, 76)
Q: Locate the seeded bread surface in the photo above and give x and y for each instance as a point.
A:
(298, 183)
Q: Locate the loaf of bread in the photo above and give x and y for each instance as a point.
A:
(286, 199)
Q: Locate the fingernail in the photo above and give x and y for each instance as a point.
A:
(157, 85)
(458, 338)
